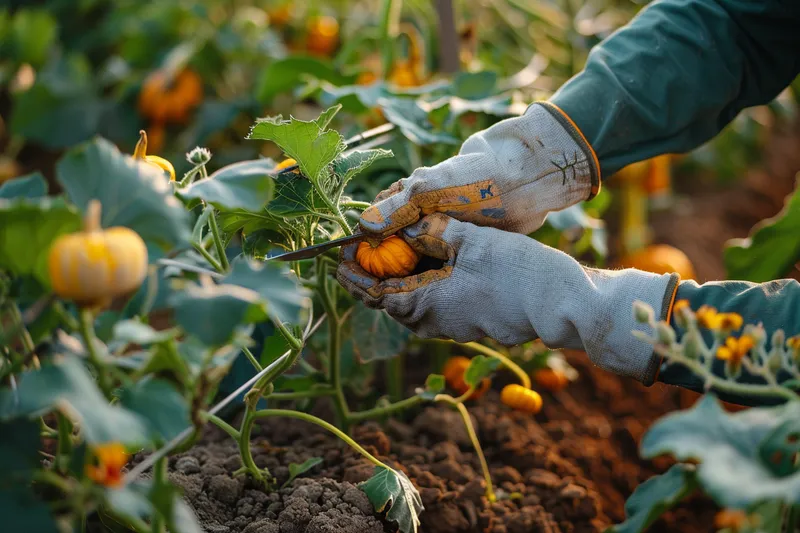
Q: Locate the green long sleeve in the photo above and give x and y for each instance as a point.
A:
(678, 73)
(776, 305)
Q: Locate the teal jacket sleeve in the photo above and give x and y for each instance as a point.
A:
(678, 73)
(776, 305)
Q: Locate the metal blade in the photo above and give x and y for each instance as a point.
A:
(313, 251)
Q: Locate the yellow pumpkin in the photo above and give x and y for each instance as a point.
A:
(660, 259)
(163, 99)
(404, 74)
(286, 163)
(390, 258)
(453, 373)
(522, 399)
(550, 379)
(93, 266)
(323, 36)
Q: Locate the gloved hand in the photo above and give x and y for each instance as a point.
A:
(508, 176)
(513, 289)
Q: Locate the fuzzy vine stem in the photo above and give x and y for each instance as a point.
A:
(325, 425)
(301, 395)
(252, 359)
(489, 352)
(385, 410)
(715, 382)
(86, 327)
(220, 423)
(64, 446)
(334, 346)
(207, 256)
(212, 225)
(457, 403)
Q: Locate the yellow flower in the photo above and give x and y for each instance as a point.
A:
(679, 305)
(140, 152)
(110, 459)
(793, 342)
(707, 317)
(729, 321)
(735, 349)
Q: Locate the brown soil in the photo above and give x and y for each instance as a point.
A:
(574, 464)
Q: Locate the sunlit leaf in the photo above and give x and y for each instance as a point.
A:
(655, 496)
(29, 186)
(27, 229)
(133, 194)
(347, 166)
(479, 368)
(295, 196)
(299, 469)
(390, 491)
(160, 405)
(730, 448)
(247, 185)
(286, 74)
(771, 249)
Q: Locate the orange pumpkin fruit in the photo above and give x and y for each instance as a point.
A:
(390, 258)
(163, 99)
(660, 259)
(323, 36)
(522, 399)
(550, 379)
(453, 373)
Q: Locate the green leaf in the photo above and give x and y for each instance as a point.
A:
(413, 122)
(33, 32)
(66, 385)
(655, 496)
(284, 75)
(28, 186)
(324, 119)
(312, 147)
(295, 196)
(133, 194)
(348, 166)
(246, 185)
(376, 336)
(434, 384)
(247, 221)
(278, 287)
(28, 228)
(729, 447)
(392, 492)
(214, 313)
(139, 333)
(771, 249)
(24, 511)
(479, 368)
(157, 402)
(475, 85)
(299, 469)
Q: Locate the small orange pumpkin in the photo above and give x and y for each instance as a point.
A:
(323, 36)
(170, 100)
(660, 259)
(522, 399)
(453, 372)
(550, 379)
(391, 258)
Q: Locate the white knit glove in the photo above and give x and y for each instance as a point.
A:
(513, 289)
(508, 176)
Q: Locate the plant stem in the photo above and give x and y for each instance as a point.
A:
(301, 395)
(724, 385)
(294, 342)
(508, 363)
(333, 429)
(252, 359)
(159, 478)
(354, 204)
(86, 326)
(220, 423)
(64, 447)
(244, 447)
(386, 410)
(212, 225)
(51, 478)
(19, 325)
(474, 438)
(136, 524)
(390, 12)
(208, 257)
(394, 368)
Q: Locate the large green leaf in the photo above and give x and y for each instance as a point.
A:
(133, 193)
(475, 85)
(278, 287)
(413, 122)
(214, 313)
(376, 336)
(295, 197)
(310, 145)
(347, 166)
(771, 249)
(22, 510)
(29, 186)
(479, 368)
(160, 405)
(246, 185)
(27, 229)
(286, 74)
(729, 447)
(33, 31)
(65, 384)
(392, 492)
(655, 496)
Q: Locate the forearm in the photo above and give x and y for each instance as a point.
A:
(678, 73)
(773, 304)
